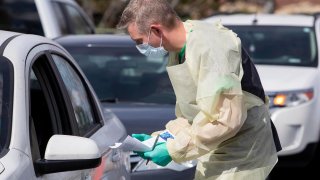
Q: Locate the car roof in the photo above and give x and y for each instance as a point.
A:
(265, 19)
(99, 40)
(16, 46)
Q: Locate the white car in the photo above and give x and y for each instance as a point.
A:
(51, 122)
(285, 49)
(49, 18)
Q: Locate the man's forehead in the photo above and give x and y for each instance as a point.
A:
(134, 33)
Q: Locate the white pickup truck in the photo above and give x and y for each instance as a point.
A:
(49, 18)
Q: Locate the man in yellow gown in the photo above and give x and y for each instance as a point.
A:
(222, 112)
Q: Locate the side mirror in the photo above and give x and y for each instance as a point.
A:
(68, 153)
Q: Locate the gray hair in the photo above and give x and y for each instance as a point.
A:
(146, 12)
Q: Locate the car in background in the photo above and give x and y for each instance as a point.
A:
(135, 87)
(51, 123)
(285, 49)
(49, 18)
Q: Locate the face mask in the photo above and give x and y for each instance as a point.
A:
(150, 51)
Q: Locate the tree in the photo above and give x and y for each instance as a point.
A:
(106, 13)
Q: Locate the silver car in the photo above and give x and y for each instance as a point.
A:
(51, 122)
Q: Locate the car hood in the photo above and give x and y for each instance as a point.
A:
(142, 117)
(286, 78)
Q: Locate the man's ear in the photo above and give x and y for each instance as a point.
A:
(157, 29)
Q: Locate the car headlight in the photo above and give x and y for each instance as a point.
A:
(290, 98)
(142, 166)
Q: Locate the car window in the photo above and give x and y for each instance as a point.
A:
(1, 92)
(279, 45)
(26, 21)
(61, 19)
(78, 94)
(6, 100)
(123, 74)
(75, 20)
(48, 107)
(1, 87)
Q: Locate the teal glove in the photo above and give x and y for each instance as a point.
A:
(141, 137)
(159, 155)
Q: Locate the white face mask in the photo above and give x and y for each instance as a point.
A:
(150, 51)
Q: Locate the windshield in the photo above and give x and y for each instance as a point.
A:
(123, 74)
(5, 102)
(20, 16)
(279, 45)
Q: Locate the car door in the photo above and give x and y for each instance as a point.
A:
(85, 107)
(88, 119)
(55, 107)
(105, 129)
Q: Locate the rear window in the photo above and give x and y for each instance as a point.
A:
(279, 45)
(123, 74)
(71, 20)
(20, 16)
(6, 89)
(77, 23)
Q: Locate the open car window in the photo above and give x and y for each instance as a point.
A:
(80, 98)
(49, 113)
(6, 101)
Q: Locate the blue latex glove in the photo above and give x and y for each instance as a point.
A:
(159, 155)
(141, 137)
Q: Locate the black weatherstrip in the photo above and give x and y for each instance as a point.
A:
(6, 42)
(251, 83)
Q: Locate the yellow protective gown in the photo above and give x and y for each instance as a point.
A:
(227, 129)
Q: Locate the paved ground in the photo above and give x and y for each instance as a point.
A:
(312, 170)
(294, 173)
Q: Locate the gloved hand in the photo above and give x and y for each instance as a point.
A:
(159, 155)
(141, 137)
